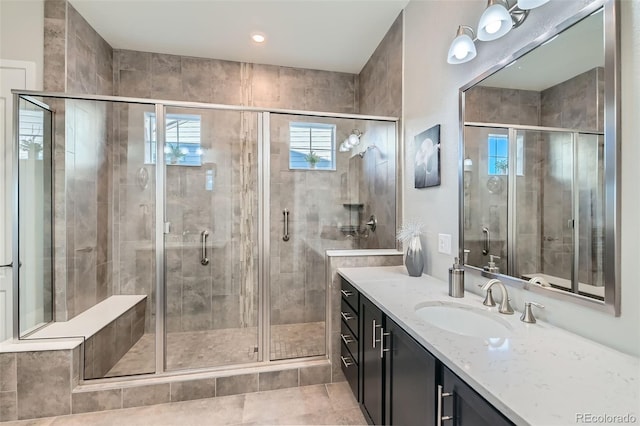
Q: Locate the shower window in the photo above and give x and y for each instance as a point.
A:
(498, 154)
(312, 146)
(498, 157)
(183, 136)
(31, 134)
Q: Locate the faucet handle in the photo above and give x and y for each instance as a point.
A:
(488, 299)
(527, 315)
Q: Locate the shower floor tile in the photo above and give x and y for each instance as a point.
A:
(201, 349)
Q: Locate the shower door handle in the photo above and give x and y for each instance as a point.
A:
(8, 265)
(203, 239)
(285, 236)
(485, 231)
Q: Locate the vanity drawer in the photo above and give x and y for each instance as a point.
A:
(349, 317)
(349, 341)
(350, 295)
(350, 369)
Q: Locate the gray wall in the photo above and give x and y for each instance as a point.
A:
(381, 94)
(78, 60)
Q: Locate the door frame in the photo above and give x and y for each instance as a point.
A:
(9, 186)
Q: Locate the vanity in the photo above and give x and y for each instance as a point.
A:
(415, 356)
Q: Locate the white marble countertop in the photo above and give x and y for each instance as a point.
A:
(540, 375)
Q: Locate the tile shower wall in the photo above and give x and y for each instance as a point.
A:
(380, 83)
(315, 200)
(557, 244)
(78, 60)
(192, 303)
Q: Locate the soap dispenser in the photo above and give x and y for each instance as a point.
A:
(456, 280)
(491, 266)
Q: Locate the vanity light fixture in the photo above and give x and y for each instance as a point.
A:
(498, 19)
(462, 49)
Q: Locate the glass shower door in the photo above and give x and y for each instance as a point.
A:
(211, 251)
(486, 196)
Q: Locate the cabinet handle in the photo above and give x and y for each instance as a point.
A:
(346, 362)
(440, 418)
(346, 293)
(347, 316)
(373, 334)
(346, 338)
(382, 336)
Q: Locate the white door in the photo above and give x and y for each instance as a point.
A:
(13, 75)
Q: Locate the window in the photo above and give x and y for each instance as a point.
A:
(31, 134)
(499, 155)
(182, 135)
(312, 146)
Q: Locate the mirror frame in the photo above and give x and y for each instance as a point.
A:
(612, 297)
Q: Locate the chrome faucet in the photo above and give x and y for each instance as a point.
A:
(505, 307)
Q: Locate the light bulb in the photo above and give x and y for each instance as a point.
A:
(462, 48)
(493, 27)
(460, 51)
(353, 139)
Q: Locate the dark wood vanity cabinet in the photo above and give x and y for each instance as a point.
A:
(398, 382)
(372, 366)
(411, 376)
(464, 406)
(349, 341)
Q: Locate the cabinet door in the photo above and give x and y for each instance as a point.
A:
(371, 361)
(410, 380)
(466, 406)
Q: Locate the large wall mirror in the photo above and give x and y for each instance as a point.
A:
(539, 166)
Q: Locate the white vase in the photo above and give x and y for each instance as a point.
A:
(414, 261)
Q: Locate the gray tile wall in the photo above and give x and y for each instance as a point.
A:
(587, 90)
(505, 106)
(78, 60)
(380, 84)
(37, 384)
(105, 348)
(196, 298)
(315, 201)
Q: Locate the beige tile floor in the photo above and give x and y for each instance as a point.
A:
(331, 404)
(201, 349)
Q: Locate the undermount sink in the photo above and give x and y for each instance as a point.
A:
(464, 320)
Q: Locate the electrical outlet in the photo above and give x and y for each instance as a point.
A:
(444, 243)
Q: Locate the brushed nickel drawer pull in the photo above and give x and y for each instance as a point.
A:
(347, 316)
(347, 338)
(346, 361)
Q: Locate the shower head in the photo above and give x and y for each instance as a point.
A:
(370, 147)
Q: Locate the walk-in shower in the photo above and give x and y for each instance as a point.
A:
(199, 243)
(534, 204)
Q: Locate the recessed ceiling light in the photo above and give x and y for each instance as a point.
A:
(258, 37)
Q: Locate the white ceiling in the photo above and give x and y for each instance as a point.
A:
(574, 51)
(333, 35)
